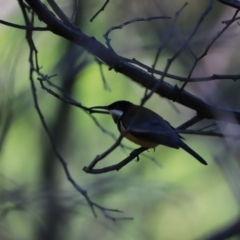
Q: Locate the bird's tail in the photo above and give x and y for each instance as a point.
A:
(193, 153)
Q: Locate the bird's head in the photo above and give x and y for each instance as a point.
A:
(116, 109)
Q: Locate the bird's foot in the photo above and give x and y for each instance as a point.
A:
(136, 153)
(154, 149)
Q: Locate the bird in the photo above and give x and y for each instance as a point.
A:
(144, 127)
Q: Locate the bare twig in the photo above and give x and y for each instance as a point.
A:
(169, 35)
(6, 122)
(100, 10)
(75, 10)
(228, 21)
(66, 98)
(104, 154)
(197, 59)
(185, 44)
(184, 79)
(23, 27)
(105, 84)
(116, 167)
(163, 45)
(108, 40)
(189, 123)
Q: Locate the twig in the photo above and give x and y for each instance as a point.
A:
(65, 99)
(163, 45)
(184, 79)
(105, 84)
(116, 167)
(189, 123)
(127, 23)
(104, 154)
(100, 10)
(172, 59)
(197, 59)
(23, 27)
(75, 10)
(227, 21)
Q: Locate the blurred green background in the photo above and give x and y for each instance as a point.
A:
(172, 197)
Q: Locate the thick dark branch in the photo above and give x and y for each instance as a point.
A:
(227, 233)
(136, 74)
(59, 12)
(231, 3)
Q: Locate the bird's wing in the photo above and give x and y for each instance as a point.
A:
(149, 126)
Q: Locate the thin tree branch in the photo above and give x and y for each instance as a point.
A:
(197, 59)
(100, 10)
(23, 27)
(116, 167)
(108, 40)
(184, 79)
(163, 45)
(183, 47)
(105, 84)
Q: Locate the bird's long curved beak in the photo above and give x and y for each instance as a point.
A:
(96, 110)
